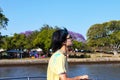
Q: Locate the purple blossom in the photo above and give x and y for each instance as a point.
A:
(77, 36)
(27, 33)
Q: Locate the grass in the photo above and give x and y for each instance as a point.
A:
(96, 55)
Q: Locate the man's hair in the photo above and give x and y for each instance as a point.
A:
(58, 37)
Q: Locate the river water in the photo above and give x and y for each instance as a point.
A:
(95, 71)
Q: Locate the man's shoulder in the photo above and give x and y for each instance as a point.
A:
(58, 54)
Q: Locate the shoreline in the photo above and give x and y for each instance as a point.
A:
(21, 62)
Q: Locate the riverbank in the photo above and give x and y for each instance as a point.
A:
(20, 62)
(95, 59)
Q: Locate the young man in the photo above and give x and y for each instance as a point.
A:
(57, 67)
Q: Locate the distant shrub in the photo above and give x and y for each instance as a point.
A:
(85, 56)
(79, 56)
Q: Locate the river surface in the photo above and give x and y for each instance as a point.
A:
(95, 71)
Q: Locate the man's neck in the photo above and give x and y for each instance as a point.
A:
(63, 50)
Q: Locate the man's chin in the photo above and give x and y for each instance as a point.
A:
(70, 48)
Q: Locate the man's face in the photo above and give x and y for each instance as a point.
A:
(69, 41)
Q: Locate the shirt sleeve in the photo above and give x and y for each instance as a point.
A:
(60, 65)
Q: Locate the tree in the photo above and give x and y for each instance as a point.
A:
(105, 34)
(3, 20)
(3, 24)
(30, 39)
(43, 39)
(77, 37)
(0, 39)
(7, 44)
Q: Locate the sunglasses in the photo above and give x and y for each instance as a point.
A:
(70, 37)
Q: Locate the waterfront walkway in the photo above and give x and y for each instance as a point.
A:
(14, 62)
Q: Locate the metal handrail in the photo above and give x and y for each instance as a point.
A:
(27, 78)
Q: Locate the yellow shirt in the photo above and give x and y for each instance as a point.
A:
(57, 65)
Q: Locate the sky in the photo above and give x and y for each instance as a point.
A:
(75, 15)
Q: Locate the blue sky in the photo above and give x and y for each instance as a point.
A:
(75, 15)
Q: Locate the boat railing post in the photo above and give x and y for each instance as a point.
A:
(28, 78)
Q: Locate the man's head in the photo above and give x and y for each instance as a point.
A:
(61, 38)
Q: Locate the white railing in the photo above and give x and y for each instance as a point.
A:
(25, 78)
(29, 78)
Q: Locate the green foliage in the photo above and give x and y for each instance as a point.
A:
(77, 44)
(30, 40)
(43, 39)
(80, 45)
(3, 20)
(3, 24)
(79, 56)
(105, 34)
(37, 39)
(6, 44)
